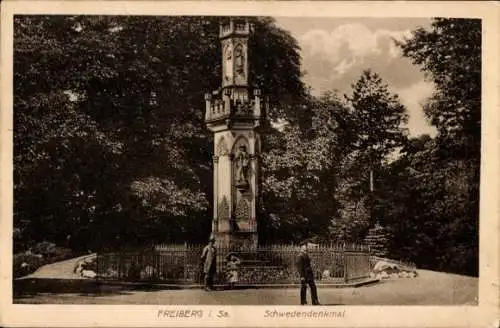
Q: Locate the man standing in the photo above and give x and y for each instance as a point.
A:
(306, 276)
(209, 257)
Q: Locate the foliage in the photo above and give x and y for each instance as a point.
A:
(110, 144)
(25, 263)
(378, 116)
(376, 121)
(451, 55)
(39, 254)
(299, 175)
(444, 173)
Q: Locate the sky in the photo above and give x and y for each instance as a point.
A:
(335, 51)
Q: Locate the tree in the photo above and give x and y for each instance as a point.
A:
(300, 174)
(378, 115)
(376, 119)
(110, 142)
(450, 53)
(427, 218)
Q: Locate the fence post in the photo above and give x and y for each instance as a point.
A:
(185, 261)
(97, 266)
(345, 265)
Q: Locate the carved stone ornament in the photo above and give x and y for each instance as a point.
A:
(222, 149)
(242, 210)
(223, 209)
(215, 225)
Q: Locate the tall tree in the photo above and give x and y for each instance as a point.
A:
(377, 120)
(450, 53)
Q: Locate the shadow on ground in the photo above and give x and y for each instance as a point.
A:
(26, 288)
(33, 287)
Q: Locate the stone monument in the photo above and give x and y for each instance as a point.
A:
(234, 117)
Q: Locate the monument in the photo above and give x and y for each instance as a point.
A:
(233, 115)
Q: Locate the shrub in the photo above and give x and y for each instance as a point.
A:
(26, 263)
(51, 252)
(40, 254)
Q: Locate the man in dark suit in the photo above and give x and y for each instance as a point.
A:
(209, 258)
(306, 276)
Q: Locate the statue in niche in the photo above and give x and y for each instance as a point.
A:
(228, 58)
(239, 59)
(242, 162)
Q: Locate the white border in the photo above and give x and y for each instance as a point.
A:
(483, 315)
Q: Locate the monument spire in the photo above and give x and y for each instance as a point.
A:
(234, 117)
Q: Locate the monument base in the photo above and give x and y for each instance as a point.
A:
(237, 240)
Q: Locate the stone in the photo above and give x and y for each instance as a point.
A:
(88, 274)
(384, 266)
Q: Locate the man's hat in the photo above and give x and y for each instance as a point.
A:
(212, 238)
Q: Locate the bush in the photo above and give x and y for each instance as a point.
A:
(26, 263)
(40, 254)
(51, 252)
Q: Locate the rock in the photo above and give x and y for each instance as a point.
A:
(88, 274)
(383, 275)
(403, 274)
(384, 266)
(326, 274)
(412, 274)
(372, 275)
(110, 273)
(394, 275)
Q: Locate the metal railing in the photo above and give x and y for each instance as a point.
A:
(274, 264)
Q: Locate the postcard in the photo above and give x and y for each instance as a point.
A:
(288, 163)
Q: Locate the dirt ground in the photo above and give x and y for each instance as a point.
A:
(429, 288)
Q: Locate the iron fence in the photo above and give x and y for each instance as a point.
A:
(274, 264)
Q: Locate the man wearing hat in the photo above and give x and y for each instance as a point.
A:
(209, 257)
(306, 276)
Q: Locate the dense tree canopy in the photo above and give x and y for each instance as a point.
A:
(446, 170)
